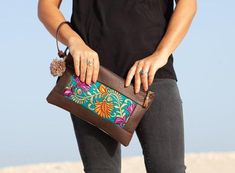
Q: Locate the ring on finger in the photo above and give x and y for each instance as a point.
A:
(89, 62)
(142, 72)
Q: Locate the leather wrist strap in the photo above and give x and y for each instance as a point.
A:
(61, 53)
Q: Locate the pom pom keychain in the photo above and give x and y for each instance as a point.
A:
(58, 66)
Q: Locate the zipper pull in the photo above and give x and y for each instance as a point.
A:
(147, 97)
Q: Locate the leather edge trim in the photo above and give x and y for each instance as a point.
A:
(117, 133)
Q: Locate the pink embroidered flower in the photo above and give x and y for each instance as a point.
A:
(131, 108)
(68, 92)
(81, 84)
(120, 120)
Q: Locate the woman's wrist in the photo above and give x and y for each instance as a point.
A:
(161, 55)
(68, 36)
(75, 40)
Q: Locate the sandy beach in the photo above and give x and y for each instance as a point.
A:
(212, 162)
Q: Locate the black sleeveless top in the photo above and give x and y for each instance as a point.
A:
(123, 31)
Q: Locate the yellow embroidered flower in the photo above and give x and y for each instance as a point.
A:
(103, 108)
(103, 89)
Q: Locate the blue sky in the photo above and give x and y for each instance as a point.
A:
(32, 131)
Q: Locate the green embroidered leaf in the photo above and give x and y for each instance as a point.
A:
(116, 106)
(77, 99)
(123, 105)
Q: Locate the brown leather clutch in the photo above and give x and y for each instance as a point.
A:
(106, 104)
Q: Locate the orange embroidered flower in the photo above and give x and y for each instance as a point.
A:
(103, 89)
(103, 108)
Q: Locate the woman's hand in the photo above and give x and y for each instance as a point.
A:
(178, 26)
(149, 65)
(82, 56)
(50, 15)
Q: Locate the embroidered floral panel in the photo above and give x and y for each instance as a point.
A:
(104, 101)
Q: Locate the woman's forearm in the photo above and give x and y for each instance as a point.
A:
(178, 26)
(50, 15)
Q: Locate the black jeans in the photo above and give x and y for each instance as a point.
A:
(160, 132)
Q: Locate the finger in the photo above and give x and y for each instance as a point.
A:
(83, 66)
(152, 71)
(96, 69)
(89, 71)
(137, 77)
(144, 77)
(77, 65)
(131, 74)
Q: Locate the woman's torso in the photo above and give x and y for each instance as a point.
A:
(123, 31)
